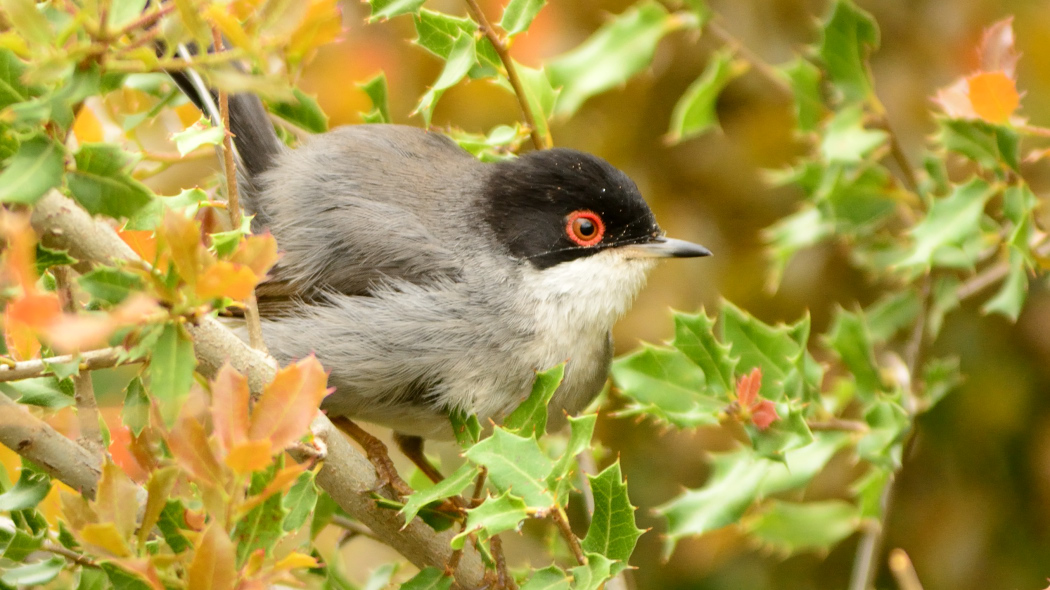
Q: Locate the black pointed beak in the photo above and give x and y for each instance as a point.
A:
(666, 248)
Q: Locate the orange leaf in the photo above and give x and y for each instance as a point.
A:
(74, 332)
(87, 128)
(295, 560)
(993, 95)
(257, 252)
(747, 388)
(763, 414)
(183, 239)
(143, 242)
(225, 279)
(248, 456)
(20, 251)
(214, 564)
(288, 404)
(137, 308)
(997, 52)
(188, 114)
(105, 536)
(229, 408)
(189, 443)
(35, 310)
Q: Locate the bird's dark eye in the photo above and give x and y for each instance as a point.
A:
(584, 228)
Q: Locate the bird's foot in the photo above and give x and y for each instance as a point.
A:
(377, 454)
(412, 447)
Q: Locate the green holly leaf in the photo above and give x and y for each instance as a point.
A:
(591, 576)
(171, 523)
(45, 392)
(28, 21)
(548, 578)
(530, 418)
(461, 59)
(500, 144)
(804, 79)
(201, 133)
(618, 50)
(849, 338)
(612, 532)
(868, 490)
(848, 37)
(35, 168)
(453, 485)
(539, 93)
(1011, 296)
(776, 350)
(102, 183)
(47, 258)
(13, 89)
(429, 578)
(694, 335)
(891, 314)
(737, 480)
(304, 112)
(437, 33)
(888, 423)
(519, 14)
(299, 502)
(990, 146)
(517, 464)
(790, 528)
(33, 575)
(30, 489)
(560, 480)
(792, 234)
(384, 9)
(465, 427)
(846, 139)
(136, 407)
(694, 113)
(109, 284)
(261, 528)
(666, 385)
(950, 222)
(170, 369)
(495, 515)
(377, 92)
(939, 377)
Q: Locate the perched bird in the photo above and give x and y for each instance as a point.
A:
(428, 281)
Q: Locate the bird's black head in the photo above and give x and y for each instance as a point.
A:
(558, 205)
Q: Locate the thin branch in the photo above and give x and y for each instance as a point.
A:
(251, 305)
(995, 273)
(89, 361)
(500, 45)
(761, 66)
(77, 558)
(903, 571)
(353, 527)
(503, 577)
(145, 21)
(346, 475)
(587, 467)
(88, 416)
(37, 441)
(839, 425)
(558, 516)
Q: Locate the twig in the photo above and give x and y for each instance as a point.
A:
(353, 527)
(83, 389)
(251, 305)
(89, 361)
(995, 273)
(77, 558)
(587, 467)
(903, 571)
(503, 577)
(144, 21)
(558, 515)
(500, 45)
(870, 545)
(346, 475)
(839, 425)
(761, 66)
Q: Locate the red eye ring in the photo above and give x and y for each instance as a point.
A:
(584, 228)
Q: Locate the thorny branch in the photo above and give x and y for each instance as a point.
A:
(89, 361)
(88, 416)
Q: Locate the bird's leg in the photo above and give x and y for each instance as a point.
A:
(377, 454)
(412, 447)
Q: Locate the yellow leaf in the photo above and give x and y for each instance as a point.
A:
(322, 24)
(189, 443)
(87, 128)
(21, 340)
(143, 242)
(226, 279)
(280, 483)
(76, 510)
(105, 536)
(257, 252)
(188, 114)
(229, 24)
(295, 560)
(161, 483)
(116, 493)
(248, 456)
(993, 95)
(183, 240)
(288, 404)
(214, 561)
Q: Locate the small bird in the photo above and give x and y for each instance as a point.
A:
(428, 281)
